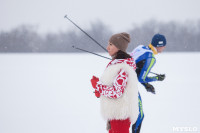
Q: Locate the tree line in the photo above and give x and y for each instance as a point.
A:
(25, 38)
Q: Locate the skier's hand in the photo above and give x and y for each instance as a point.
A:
(94, 81)
(161, 77)
(149, 88)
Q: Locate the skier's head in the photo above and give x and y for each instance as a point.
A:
(159, 42)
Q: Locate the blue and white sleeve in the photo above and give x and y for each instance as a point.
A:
(149, 63)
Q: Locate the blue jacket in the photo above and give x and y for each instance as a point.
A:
(145, 60)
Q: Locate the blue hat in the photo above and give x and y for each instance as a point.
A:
(158, 40)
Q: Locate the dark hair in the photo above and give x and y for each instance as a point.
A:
(122, 55)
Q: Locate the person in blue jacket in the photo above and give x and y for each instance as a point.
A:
(145, 59)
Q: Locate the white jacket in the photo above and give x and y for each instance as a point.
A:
(127, 105)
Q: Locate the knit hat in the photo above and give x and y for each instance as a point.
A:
(158, 40)
(120, 40)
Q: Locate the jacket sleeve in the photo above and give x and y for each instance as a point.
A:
(117, 89)
(149, 63)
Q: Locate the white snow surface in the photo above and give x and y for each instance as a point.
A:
(52, 93)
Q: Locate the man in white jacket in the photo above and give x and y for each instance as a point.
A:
(145, 59)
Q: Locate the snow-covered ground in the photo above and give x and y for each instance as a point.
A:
(51, 93)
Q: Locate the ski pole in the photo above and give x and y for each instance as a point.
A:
(85, 33)
(100, 55)
(93, 40)
(90, 52)
(154, 73)
(149, 72)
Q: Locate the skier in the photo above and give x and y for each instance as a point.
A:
(145, 60)
(117, 88)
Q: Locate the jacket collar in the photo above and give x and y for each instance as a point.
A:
(129, 61)
(153, 49)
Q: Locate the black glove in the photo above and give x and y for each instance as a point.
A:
(149, 88)
(161, 77)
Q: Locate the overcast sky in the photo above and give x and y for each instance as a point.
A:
(119, 15)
